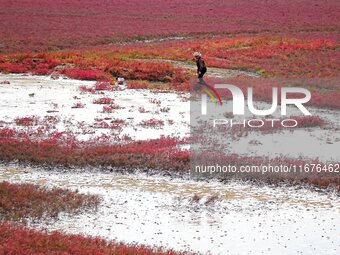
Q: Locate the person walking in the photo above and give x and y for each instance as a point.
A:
(201, 70)
(201, 67)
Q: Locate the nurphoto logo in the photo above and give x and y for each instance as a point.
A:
(238, 105)
(239, 102)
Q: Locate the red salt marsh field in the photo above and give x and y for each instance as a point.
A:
(47, 24)
(100, 159)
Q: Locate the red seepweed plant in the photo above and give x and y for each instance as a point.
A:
(78, 105)
(84, 74)
(63, 148)
(27, 121)
(103, 86)
(84, 88)
(19, 202)
(163, 154)
(103, 100)
(17, 239)
(111, 107)
(169, 21)
(152, 123)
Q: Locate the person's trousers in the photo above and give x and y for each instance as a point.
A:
(201, 74)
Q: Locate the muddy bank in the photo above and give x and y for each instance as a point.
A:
(235, 217)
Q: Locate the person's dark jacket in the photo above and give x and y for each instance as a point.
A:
(201, 67)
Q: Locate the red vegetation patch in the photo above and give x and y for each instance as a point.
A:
(84, 88)
(38, 64)
(165, 109)
(151, 71)
(324, 91)
(13, 68)
(97, 88)
(138, 84)
(268, 55)
(155, 101)
(91, 23)
(275, 125)
(141, 109)
(110, 108)
(329, 99)
(21, 201)
(22, 240)
(103, 100)
(50, 121)
(86, 65)
(62, 149)
(153, 123)
(85, 74)
(27, 121)
(116, 124)
(78, 105)
(162, 154)
(103, 86)
(309, 121)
